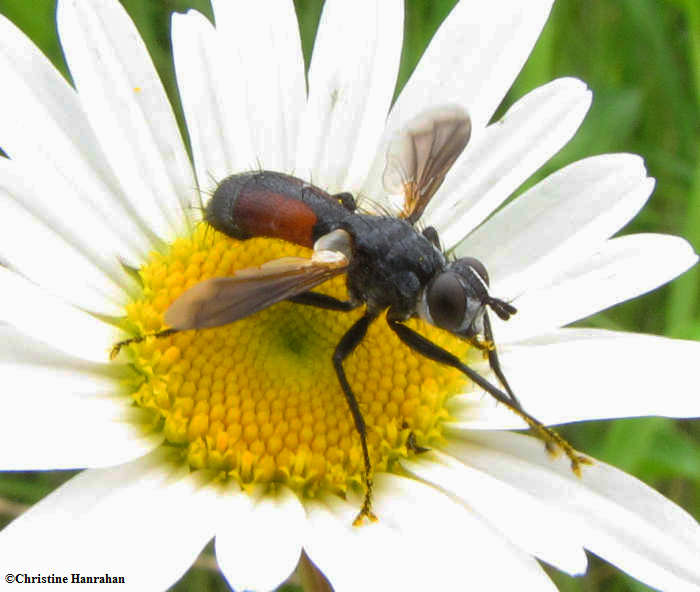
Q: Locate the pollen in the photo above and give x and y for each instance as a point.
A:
(258, 400)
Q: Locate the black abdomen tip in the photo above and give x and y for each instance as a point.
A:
(219, 210)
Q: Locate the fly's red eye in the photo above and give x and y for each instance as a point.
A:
(447, 301)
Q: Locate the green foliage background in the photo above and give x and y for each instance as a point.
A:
(642, 60)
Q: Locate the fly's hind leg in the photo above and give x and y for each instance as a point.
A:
(118, 346)
(345, 347)
(430, 350)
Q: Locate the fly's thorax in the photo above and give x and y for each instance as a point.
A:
(391, 261)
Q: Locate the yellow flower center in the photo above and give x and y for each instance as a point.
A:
(259, 399)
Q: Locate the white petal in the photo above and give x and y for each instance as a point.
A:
(127, 107)
(621, 269)
(214, 106)
(452, 544)
(351, 557)
(523, 519)
(351, 83)
(259, 546)
(532, 131)
(51, 321)
(564, 217)
(43, 251)
(615, 515)
(98, 426)
(471, 61)
(487, 43)
(144, 520)
(348, 556)
(264, 36)
(81, 439)
(45, 130)
(582, 374)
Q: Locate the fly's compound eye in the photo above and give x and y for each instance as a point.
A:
(447, 302)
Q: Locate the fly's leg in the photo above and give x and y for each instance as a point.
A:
(323, 301)
(427, 348)
(347, 345)
(484, 346)
(309, 298)
(411, 443)
(495, 363)
(413, 446)
(118, 346)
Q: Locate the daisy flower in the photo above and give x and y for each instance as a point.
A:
(241, 433)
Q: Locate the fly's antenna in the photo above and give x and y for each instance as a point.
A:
(503, 309)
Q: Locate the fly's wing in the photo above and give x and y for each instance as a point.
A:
(220, 301)
(420, 156)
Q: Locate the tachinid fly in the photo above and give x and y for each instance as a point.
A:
(389, 265)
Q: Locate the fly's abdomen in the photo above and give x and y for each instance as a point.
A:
(262, 204)
(272, 205)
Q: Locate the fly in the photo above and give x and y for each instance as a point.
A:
(389, 265)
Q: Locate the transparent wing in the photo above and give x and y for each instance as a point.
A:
(420, 156)
(219, 301)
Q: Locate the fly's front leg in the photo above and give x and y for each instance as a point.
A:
(495, 363)
(430, 350)
(347, 345)
(485, 346)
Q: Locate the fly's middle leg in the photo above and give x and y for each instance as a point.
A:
(345, 347)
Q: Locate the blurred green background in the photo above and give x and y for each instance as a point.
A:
(642, 60)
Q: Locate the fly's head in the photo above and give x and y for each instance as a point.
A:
(457, 297)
